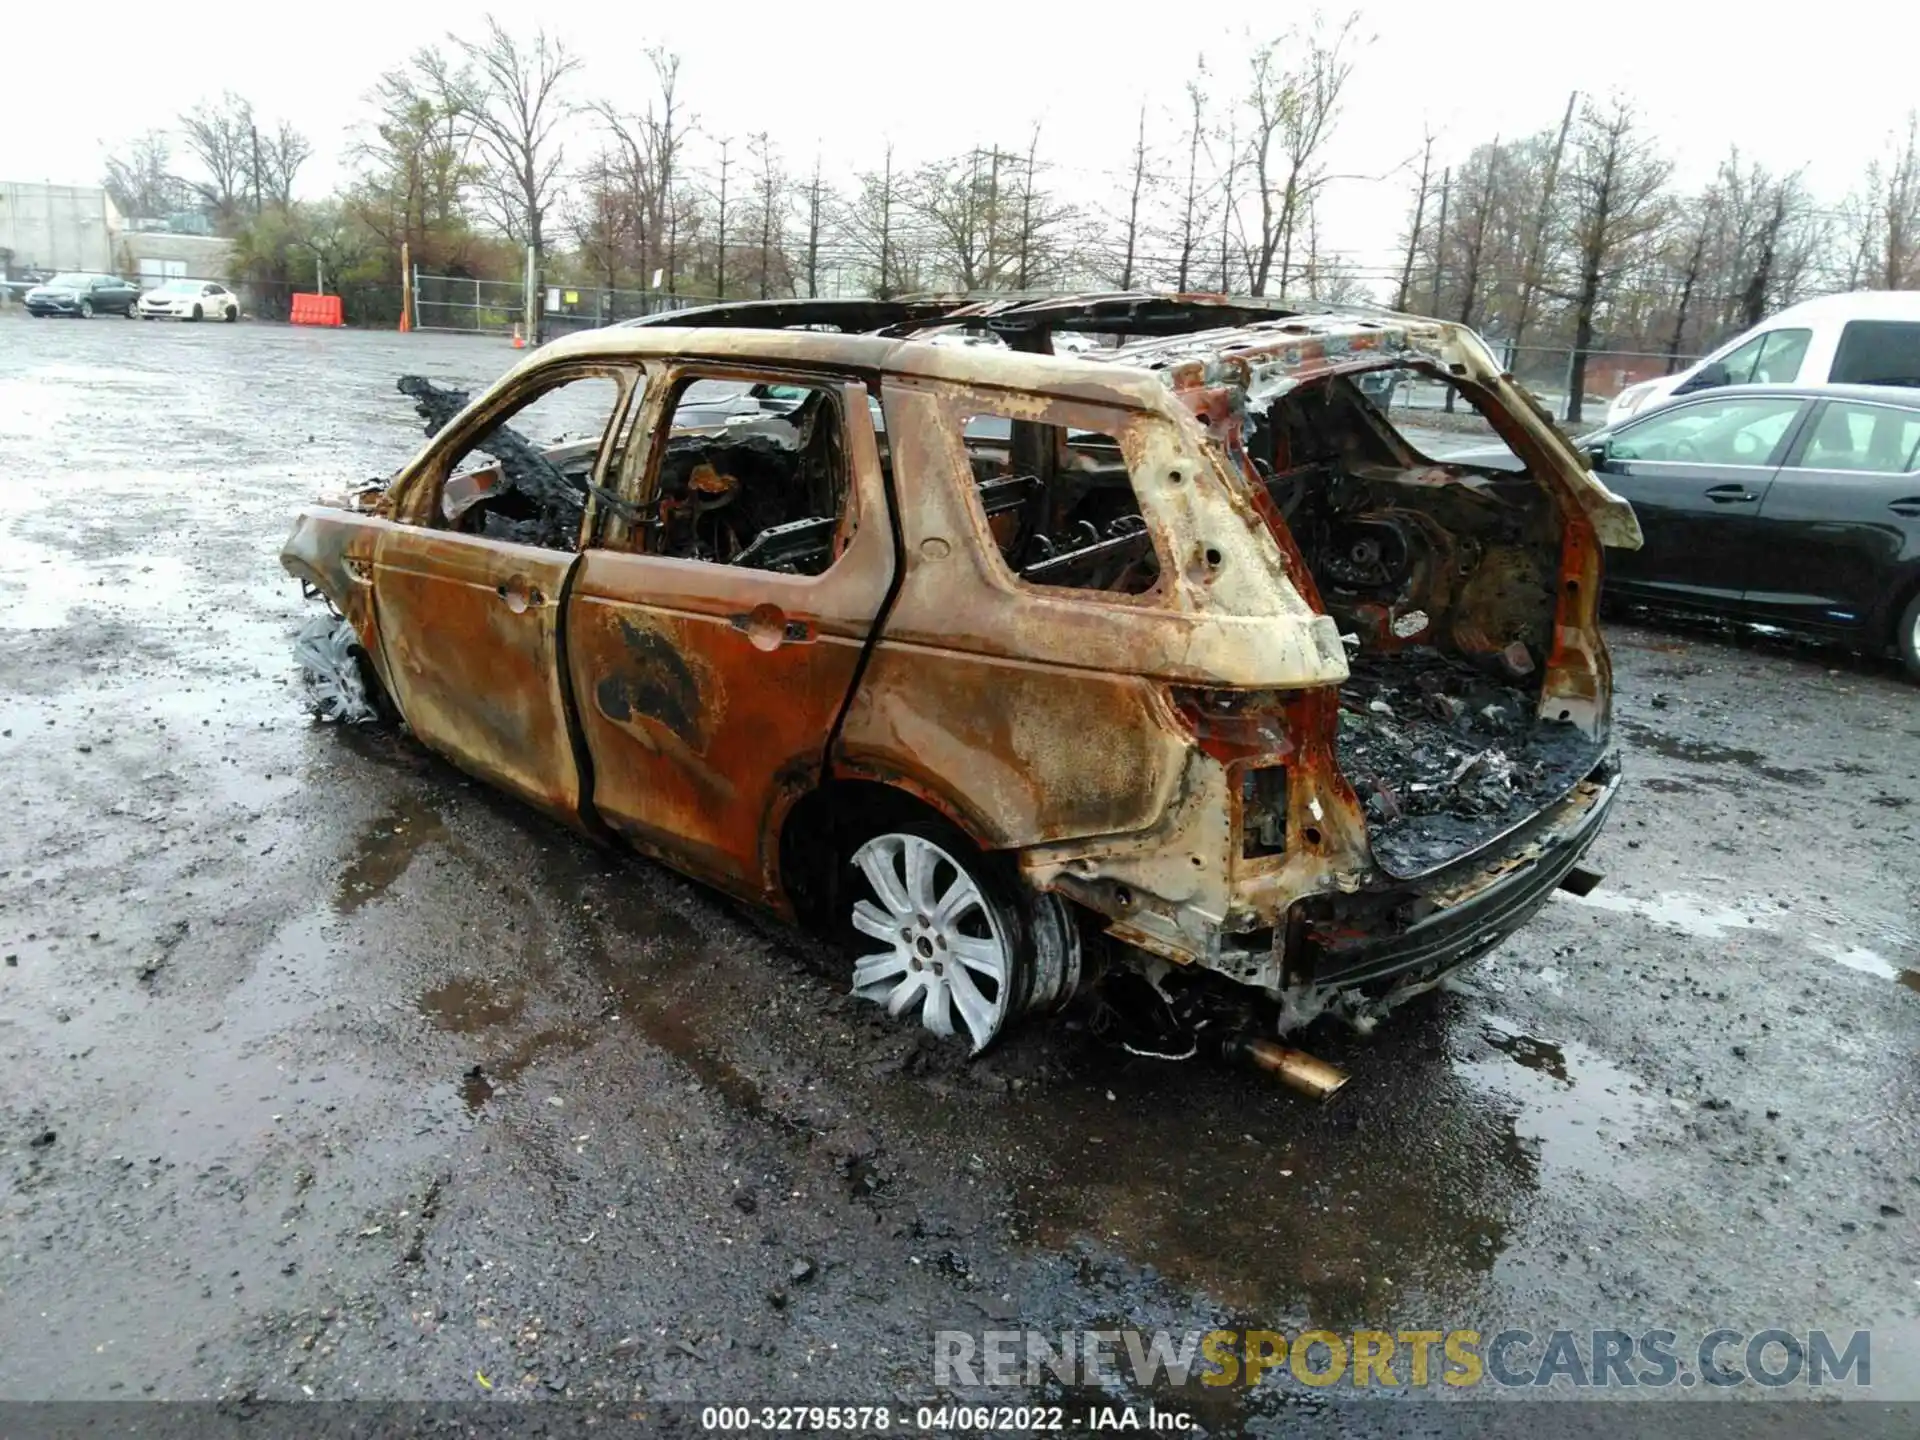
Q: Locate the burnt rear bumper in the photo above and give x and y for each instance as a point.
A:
(1455, 915)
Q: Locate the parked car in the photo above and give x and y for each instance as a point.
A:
(1788, 505)
(83, 294)
(1188, 670)
(190, 300)
(1866, 337)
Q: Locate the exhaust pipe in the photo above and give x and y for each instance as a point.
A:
(1297, 1070)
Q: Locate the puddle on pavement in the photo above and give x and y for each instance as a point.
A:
(1529, 1051)
(1709, 752)
(465, 1006)
(1577, 1110)
(1224, 1185)
(641, 953)
(1704, 919)
(1868, 962)
(384, 849)
(1689, 914)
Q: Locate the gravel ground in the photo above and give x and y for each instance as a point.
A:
(329, 1073)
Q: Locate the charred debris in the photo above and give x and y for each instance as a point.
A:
(1445, 755)
(537, 501)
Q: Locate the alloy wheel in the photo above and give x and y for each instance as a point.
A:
(945, 951)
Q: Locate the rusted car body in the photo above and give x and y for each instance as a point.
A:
(1129, 695)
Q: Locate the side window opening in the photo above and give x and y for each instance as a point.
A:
(1873, 438)
(1742, 431)
(1877, 352)
(527, 476)
(752, 474)
(1060, 504)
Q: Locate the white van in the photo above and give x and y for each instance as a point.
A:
(1865, 337)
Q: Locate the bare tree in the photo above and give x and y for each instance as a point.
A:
(220, 137)
(513, 95)
(1043, 219)
(415, 163)
(873, 223)
(1533, 269)
(959, 200)
(1616, 201)
(649, 149)
(1416, 227)
(1137, 182)
(141, 181)
(818, 204)
(723, 176)
(1695, 252)
(1440, 241)
(1192, 221)
(277, 158)
(1888, 227)
(1480, 184)
(770, 206)
(1292, 112)
(1229, 202)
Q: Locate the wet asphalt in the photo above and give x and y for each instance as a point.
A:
(325, 1072)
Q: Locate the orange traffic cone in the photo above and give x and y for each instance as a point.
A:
(519, 340)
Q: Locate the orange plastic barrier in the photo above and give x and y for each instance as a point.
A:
(316, 310)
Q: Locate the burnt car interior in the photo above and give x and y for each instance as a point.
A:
(1443, 580)
(1070, 518)
(765, 491)
(508, 487)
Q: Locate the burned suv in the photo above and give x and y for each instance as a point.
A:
(1170, 669)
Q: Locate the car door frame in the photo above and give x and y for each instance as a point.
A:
(472, 628)
(1668, 536)
(708, 696)
(1824, 548)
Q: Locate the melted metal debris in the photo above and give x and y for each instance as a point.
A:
(1445, 756)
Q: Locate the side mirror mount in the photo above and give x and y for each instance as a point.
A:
(1596, 452)
(1710, 376)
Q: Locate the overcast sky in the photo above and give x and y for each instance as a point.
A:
(1806, 88)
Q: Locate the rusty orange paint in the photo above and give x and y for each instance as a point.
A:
(687, 706)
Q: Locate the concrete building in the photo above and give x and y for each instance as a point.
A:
(77, 227)
(57, 227)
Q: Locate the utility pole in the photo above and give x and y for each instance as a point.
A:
(254, 131)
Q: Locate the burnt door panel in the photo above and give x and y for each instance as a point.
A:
(471, 633)
(706, 693)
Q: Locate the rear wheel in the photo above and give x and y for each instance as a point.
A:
(945, 935)
(1907, 640)
(233, 313)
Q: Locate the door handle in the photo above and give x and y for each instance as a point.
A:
(768, 627)
(1731, 495)
(1909, 508)
(519, 595)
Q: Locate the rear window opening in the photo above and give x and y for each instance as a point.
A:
(1060, 505)
(1444, 581)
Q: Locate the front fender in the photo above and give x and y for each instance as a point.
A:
(332, 550)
